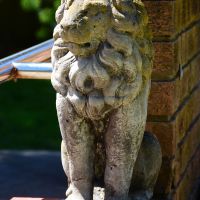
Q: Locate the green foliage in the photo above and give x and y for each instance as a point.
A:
(28, 116)
(30, 4)
(45, 10)
(45, 15)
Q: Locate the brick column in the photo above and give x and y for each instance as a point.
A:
(174, 105)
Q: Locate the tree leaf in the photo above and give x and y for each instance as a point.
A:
(30, 4)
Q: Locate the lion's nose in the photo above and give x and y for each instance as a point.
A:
(66, 25)
(67, 30)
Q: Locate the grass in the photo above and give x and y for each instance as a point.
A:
(28, 116)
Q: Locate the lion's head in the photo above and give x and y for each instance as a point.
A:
(102, 54)
(83, 24)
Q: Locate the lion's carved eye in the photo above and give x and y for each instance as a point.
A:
(82, 14)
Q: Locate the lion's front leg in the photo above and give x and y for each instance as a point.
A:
(123, 140)
(78, 146)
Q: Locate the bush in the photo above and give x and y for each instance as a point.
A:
(45, 10)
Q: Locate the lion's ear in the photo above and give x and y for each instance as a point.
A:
(126, 6)
(64, 1)
(59, 13)
(68, 3)
(96, 3)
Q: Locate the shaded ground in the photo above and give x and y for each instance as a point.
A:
(34, 174)
(28, 173)
(39, 174)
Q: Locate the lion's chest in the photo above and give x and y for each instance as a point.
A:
(94, 92)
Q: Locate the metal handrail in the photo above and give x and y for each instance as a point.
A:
(27, 64)
(33, 70)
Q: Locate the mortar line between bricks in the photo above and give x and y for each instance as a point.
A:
(182, 67)
(188, 132)
(175, 37)
(182, 104)
(185, 170)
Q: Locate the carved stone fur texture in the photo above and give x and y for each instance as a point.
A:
(102, 60)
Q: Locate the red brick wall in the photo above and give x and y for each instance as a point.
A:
(174, 104)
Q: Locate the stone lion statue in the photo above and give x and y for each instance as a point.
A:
(102, 60)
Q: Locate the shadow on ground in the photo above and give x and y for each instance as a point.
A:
(31, 174)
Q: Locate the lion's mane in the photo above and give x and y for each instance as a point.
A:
(116, 72)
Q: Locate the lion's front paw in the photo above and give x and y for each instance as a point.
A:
(74, 193)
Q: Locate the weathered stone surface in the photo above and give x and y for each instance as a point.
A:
(102, 59)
